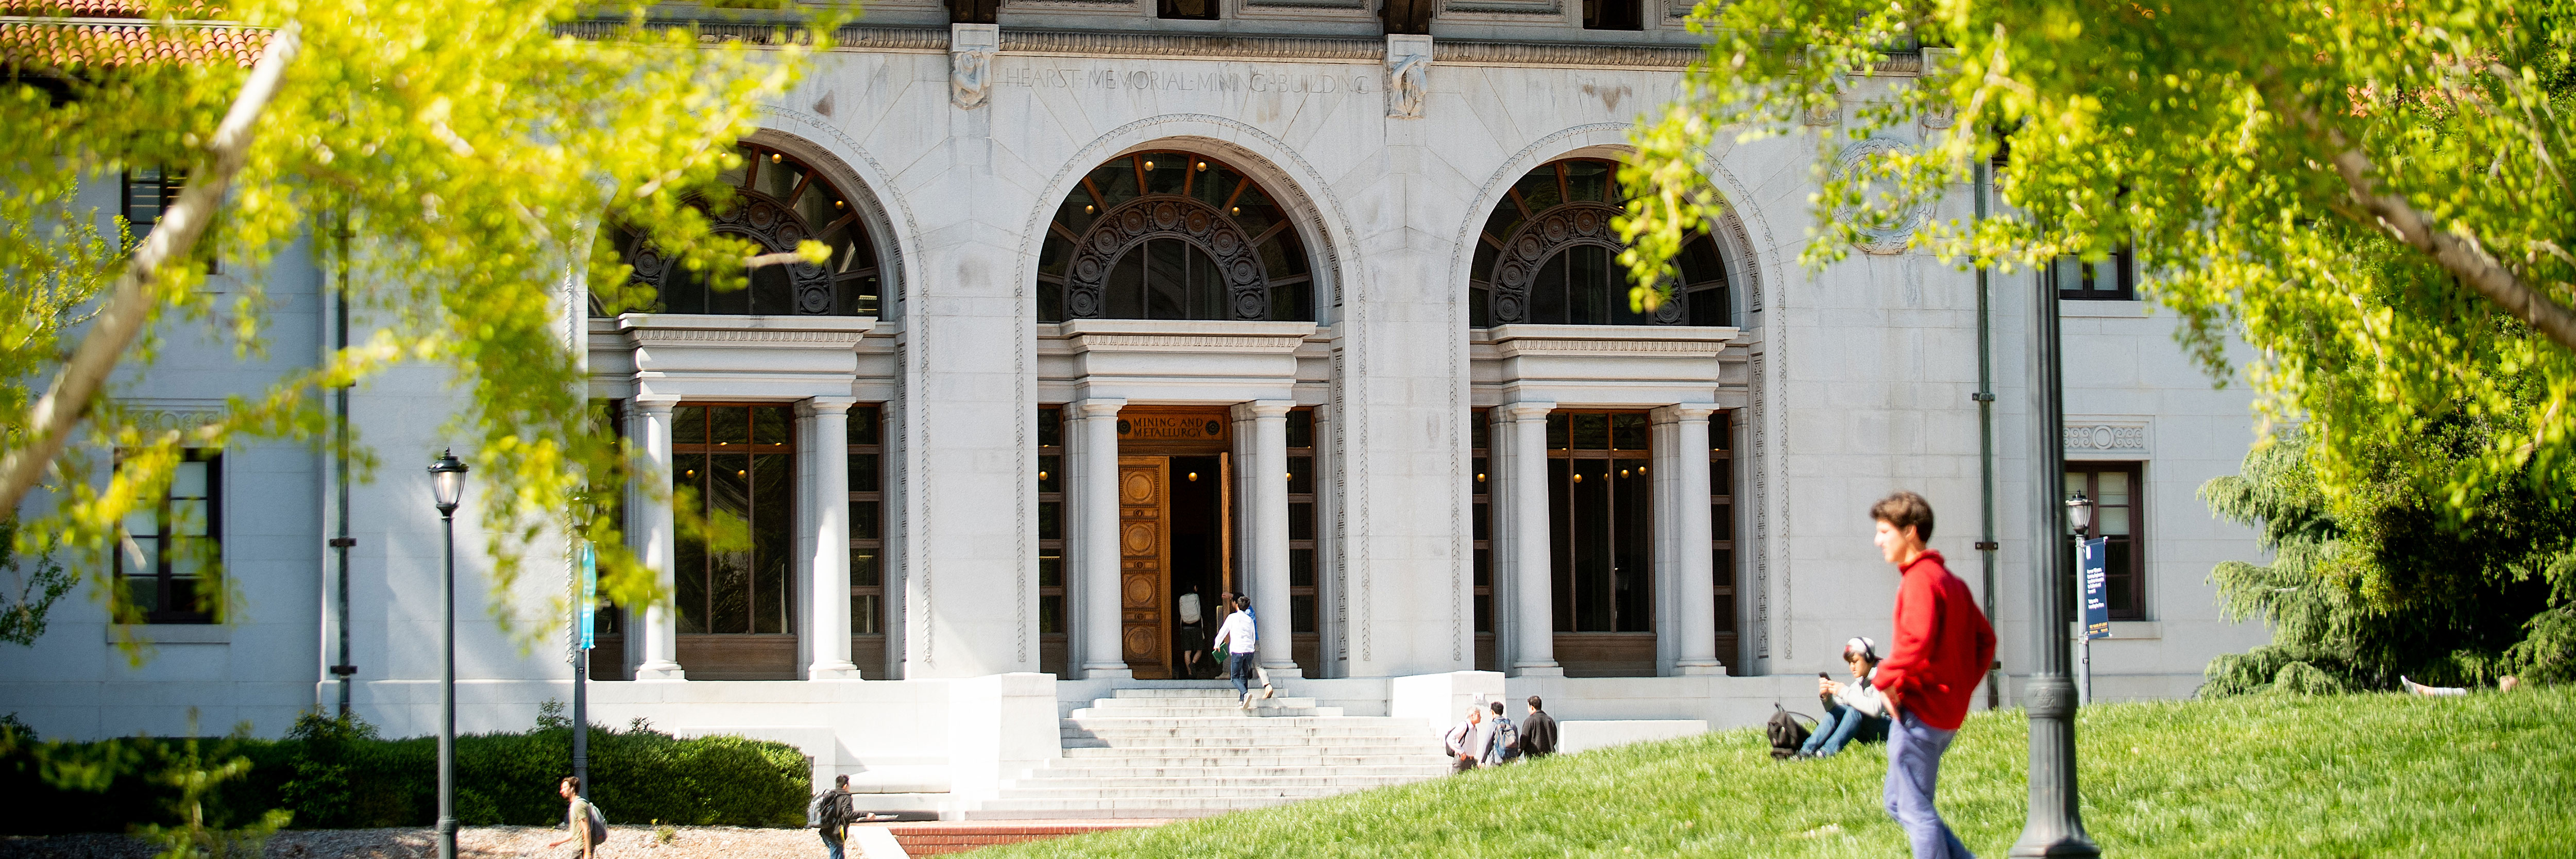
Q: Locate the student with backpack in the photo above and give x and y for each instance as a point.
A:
(584, 820)
(830, 812)
(1502, 741)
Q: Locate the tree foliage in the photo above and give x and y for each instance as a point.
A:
(2271, 163)
(2367, 586)
(467, 150)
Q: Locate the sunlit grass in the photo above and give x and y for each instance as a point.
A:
(2372, 775)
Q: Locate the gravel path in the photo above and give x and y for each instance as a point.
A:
(480, 842)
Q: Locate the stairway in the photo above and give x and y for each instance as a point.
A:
(1191, 752)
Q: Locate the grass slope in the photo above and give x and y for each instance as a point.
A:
(2369, 775)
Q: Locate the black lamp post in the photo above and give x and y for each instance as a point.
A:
(446, 486)
(2055, 827)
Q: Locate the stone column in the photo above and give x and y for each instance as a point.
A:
(1683, 565)
(1094, 474)
(1523, 443)
(1261, 445)
(826, 449)
(653, 535)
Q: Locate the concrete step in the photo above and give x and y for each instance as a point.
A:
(1213, 689)
(1054, 779)
(1112, 769)
(1137, 806)
(1209, 706)
(1092, 813)
(1186, 793)
(1226, 712)
(1239, 741)
(1124, 719)
(1263, 729)
(1264, 760)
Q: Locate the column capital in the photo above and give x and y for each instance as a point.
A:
(1263, 410)
(659, 404)
(825, 406)
(1683, 413)
(1097, 407)
(1527, 410)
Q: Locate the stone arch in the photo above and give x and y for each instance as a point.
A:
(1732, 235)
(1311, 209)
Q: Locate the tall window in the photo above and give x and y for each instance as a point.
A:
(2113, 486)
(1481, 533)
(1051, 632)
(149, 191)
(1172, 235)
(1721, 529)
(1549, 256)
(867, 538)
(1187, 10)
(1305, 641)
(1600, 518)
(2114, 278)
(739, 462)
(170, 547)
(775, 202)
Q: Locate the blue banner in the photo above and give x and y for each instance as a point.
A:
(2091, 565)
(589, 594)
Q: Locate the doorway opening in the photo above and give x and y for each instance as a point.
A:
(1176, 539)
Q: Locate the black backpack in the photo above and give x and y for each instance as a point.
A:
(1786, 734)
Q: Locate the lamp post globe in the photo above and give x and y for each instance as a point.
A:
(2079, 513)
(447, 489)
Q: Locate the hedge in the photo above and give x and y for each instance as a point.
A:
(338, 775)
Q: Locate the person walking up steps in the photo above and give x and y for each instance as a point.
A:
(1943, 645)
(1237, 637)
(1502, 740)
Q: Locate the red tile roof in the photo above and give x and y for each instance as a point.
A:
(41, 45)
(186, 10)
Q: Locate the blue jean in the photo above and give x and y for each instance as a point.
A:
(831, 846)
(1843, 725)
(1239, 665)
(1913, 768)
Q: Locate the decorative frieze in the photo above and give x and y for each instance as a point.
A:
(1189, 46)
(1564, 54)
(2096, 437)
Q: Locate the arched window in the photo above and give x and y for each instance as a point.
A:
(1549, 256)
(777, 202)
(1172, 235)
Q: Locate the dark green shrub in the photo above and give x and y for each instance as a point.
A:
(336, 774)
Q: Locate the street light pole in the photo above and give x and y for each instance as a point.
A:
(447, 485)
(2056, 826)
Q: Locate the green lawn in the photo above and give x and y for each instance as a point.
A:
(2368, 775)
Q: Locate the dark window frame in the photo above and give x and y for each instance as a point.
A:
(2114, 278)
(787, 616)
(2127, 586)
(1564, 519)
(1052, 519)
(866, 444)
(1614, 15)
(1721, 504)
(1481, 531)
(1305, 564)
(164, 579)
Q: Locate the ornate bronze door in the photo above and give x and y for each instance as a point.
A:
(1144, 554)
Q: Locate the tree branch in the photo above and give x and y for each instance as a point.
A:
(2460, 254)
(131, 305)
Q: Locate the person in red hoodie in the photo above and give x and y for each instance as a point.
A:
(1942, 647)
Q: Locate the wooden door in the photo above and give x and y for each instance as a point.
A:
(1144, 557)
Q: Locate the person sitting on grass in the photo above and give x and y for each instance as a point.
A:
(1854, 711)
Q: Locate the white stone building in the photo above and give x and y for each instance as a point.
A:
(1130, 299)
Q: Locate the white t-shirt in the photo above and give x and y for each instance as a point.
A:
(1236, 634)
